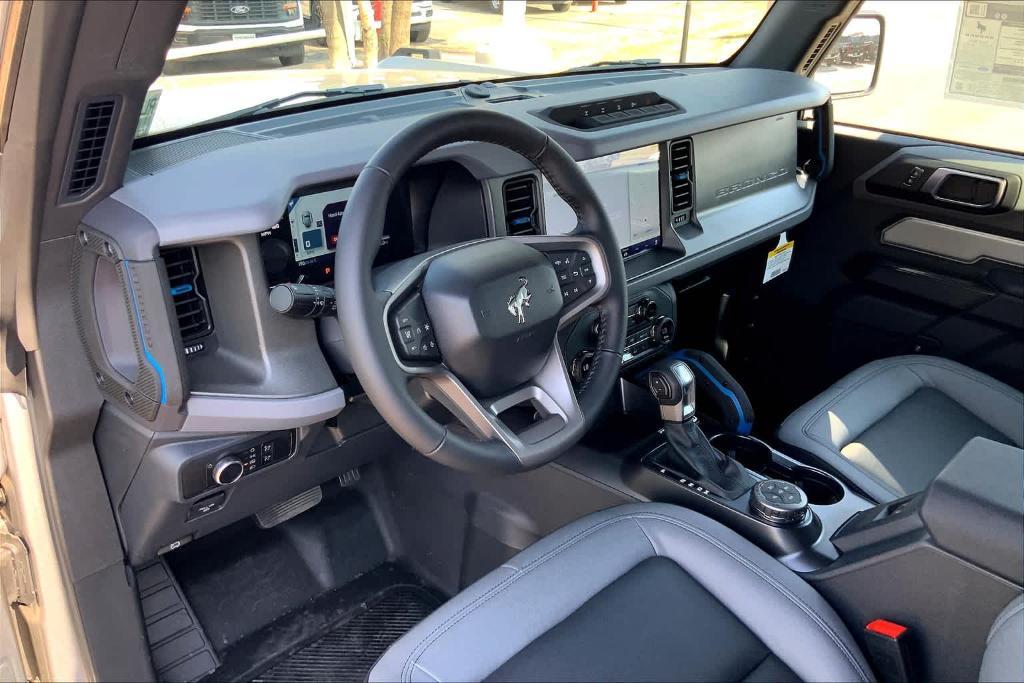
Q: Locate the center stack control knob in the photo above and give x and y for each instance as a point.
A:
(778, 502)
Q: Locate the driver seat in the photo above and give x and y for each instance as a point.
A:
(645, 592)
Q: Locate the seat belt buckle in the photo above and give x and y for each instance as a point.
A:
(888, 647)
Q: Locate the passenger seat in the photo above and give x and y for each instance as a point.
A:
(892, 425)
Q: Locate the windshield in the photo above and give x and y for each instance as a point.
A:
(229, 57)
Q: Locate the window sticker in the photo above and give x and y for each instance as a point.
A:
(988, 55)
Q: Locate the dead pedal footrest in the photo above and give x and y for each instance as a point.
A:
(178, 646)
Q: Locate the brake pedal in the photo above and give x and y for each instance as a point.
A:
(285, 510)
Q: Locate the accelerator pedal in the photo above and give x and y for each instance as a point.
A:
(293, 507)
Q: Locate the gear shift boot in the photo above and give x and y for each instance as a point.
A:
(690, 453)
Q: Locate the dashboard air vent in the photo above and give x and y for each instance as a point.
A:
(520, 198)
(680, 179)
(187, 292)
(824, 39)
(90, 147)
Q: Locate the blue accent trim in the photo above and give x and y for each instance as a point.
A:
(181, 289)
(744, 426)
(520, 221)
(145, 347)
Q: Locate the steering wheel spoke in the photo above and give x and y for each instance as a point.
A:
(528, 420)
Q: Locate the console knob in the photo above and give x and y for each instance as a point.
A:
(778, 502)
(228, 470)
(641, 310)
(664, 331)
(650, 309)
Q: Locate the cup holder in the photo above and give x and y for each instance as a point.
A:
(757, 456)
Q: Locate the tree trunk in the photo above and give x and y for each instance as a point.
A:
(369, 33)
(385, 30)
(337, 41)
(401, 16)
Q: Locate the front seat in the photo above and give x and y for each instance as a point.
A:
(646, 592)
(892, 425)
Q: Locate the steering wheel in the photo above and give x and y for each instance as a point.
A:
(474, 326)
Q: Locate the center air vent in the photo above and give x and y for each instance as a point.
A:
(520, 199)
(188, 293)
(680, 179)
(90, 147)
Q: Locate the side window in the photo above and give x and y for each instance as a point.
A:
(950, 71)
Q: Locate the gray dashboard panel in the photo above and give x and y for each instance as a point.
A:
(243, 189)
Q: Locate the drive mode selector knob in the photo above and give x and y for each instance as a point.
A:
(227, 470)
(779, 502)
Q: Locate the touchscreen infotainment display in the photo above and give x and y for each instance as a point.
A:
(627, 184)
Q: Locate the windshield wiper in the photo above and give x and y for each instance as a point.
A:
(606, 64)
(351, 91)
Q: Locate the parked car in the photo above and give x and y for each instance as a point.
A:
(206, 22)
(496, 5)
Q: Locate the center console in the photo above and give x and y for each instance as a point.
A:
(788, 508)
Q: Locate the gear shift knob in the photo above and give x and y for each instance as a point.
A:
(672, 385)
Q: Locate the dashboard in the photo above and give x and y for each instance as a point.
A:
(300, 246)
(174, 271)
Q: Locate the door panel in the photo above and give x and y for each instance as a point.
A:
(887, 266)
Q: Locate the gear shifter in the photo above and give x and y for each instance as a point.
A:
(671, 382)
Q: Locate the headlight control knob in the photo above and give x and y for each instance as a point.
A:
(778, 502)
(228, 470)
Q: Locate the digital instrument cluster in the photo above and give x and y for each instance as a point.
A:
(300, 247)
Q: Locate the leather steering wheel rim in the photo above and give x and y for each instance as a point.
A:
(361, 307)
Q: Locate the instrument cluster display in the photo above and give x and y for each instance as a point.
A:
(301, 246)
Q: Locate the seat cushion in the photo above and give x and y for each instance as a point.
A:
(891, 426)
(1004, 654)
(637, 593)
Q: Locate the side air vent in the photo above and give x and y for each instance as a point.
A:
(520, 198)
(90, 147)
(824, 39)
(680, 179)
(188, 294)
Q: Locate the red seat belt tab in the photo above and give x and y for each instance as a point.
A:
(887, 646)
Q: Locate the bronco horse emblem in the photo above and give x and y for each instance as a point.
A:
(520, 301)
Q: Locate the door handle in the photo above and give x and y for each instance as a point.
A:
(963, 188)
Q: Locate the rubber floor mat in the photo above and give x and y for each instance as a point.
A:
(350, 649)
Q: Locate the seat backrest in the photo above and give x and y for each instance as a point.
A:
(1004, 655)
